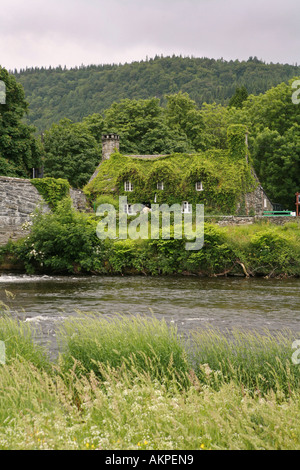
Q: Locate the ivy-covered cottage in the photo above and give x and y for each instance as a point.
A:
(223, 180)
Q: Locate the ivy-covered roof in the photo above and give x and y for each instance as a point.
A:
(225, 175)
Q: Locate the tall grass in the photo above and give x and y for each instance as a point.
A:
(139, 343)
(19, 340)
(258, 361)
(118, 384)
(132, 411)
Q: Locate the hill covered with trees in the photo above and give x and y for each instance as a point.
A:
(57, 93)
(171, 123)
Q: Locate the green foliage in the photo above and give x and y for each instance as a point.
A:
(258, 360)
(106, 199)
(19, 150)
(53, 190)
(165, 171)
(63, 242)
(66, 242)
(216, 255)
(236, 137)
(143, 129)
(135, 343)
(240, 95)
(271, 251)
(20, 341)
(274, 142)
(224, 179)
(114, 369)
(56, 93)
(71, 152)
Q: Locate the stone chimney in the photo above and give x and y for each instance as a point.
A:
(110, 144)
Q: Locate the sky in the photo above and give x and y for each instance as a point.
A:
(35, 33)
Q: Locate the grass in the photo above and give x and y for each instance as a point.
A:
(138, 343)
(134, 383)
(259, 361)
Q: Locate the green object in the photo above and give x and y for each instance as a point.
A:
(277, 213)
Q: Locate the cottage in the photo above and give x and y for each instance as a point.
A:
(223, 180)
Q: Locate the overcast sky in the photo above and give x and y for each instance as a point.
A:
(75, 32)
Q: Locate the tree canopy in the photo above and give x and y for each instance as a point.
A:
(55, 93)
(19, 150)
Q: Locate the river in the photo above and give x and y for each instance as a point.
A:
(188, 302)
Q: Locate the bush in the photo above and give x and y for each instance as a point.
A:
(216, 255)
(64, 241)
(270, 251)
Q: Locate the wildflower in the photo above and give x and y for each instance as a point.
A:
(202, 446)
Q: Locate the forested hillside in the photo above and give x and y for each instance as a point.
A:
(57, 93)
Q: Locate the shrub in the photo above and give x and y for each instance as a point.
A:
(64, 241)
(270, 252)
(216, 255)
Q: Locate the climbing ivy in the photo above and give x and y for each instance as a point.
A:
(225, 174)
(52, 190)
(236, 140)
(166, 172)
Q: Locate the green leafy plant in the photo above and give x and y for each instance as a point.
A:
(53, 190)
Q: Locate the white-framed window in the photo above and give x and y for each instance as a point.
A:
(160, 185)
(199, 186)
(128, 209)
(128, 186)
(186, 208)
(265, 203)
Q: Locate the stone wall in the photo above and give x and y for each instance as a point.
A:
(18, 200)
(257, 201)
(79, 200)
(226, 220)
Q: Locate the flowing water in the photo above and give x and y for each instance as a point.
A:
(189, 303)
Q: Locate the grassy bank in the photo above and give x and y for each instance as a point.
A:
(134, 383)
(66, 243)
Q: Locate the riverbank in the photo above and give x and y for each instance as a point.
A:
(65, 242)
(134, 383)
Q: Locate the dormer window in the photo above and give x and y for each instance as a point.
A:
(186, 208)
(199, 186)
(160, 185)
(128, 186)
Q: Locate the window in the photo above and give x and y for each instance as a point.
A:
(128, 209)
(199, 186)
(160, 185)
(186, 208)
(128, 186)
(265, 203)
